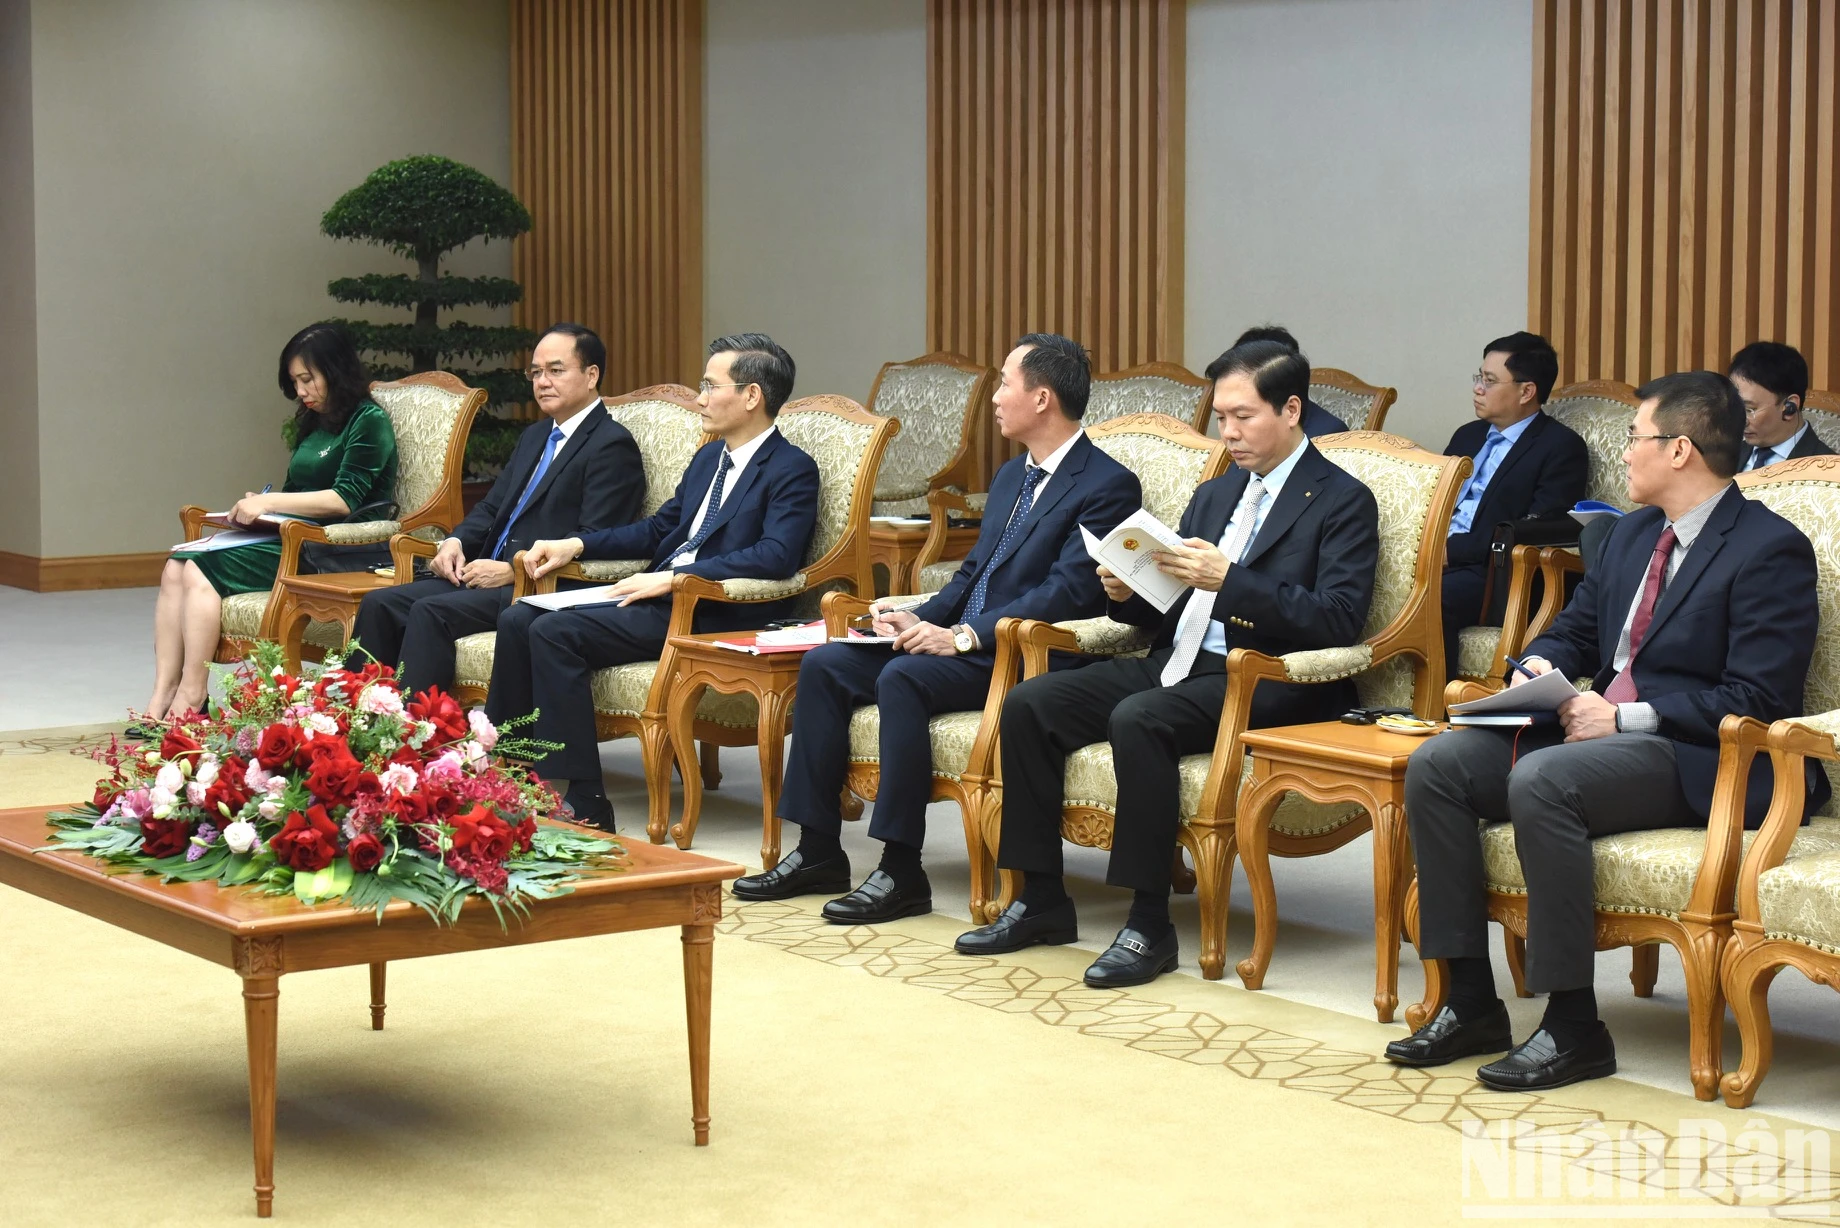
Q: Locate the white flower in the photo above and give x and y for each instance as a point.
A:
(483, 729)
(161, 800)
(472, 752)
(277, 785)
(380, 700)
(169, 779)
(269, 807)
(207, 771)
(277, 672)
(320, 722)
(240, 836)
(422, 732)
(194, 792)
(398, 778)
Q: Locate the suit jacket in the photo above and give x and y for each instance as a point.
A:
(1544, 474)
(1045, 573)
(1306, 582)
(1810, 444)
(761, 530)
(1319, 421)
(1733, 632)
(596, 479)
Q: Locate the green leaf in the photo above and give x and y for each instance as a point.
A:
(423, 206)
(402, 290)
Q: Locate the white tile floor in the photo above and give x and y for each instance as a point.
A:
(83, 658)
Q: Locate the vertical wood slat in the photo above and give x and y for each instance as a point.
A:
(1055, 178)
(607, 139)
(1685, 184)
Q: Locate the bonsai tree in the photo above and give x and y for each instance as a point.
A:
(421, 208)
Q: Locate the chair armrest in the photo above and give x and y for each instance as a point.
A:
(940, 504)
(363, 533)
(1219, 803)
(191, 521)
(1465, 689)
(606, 571)
(763, 590)
(1106, 637)
(1791, 744)
(405, 548)
(839, 608)
(1556, 563)
(1034, 640)
(1326, 664)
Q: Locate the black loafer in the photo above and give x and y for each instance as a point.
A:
(880, 899)
(1538, 1063)
(1446, 1038)
(589, 812)
(1133, 959)
(794, 876)
(1020, 927)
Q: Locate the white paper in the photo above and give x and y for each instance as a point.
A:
(1542, 694)
(1126, 551)
(273, 520)
(863, 639)
(229, 539)
(906, 520)
(570, 599)
(810, 633)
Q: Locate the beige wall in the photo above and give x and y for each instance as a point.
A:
(183, 153)
(815, 182)
(1358, 171)
(18, 281)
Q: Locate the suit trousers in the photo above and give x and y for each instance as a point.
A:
(1463, 588)
(416, 625)
(1559, 796)
(837, 679)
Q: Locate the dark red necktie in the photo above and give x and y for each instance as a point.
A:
(1622, 689)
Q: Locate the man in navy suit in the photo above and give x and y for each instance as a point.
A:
(1316, 419)
(1526, 466)
(1030, 562)
(1702, 605)
(573, 471)
(1772, 380)
(1279, 553)
(745, 510)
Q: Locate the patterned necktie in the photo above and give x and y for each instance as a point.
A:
(980, 591)
(1622, 688)
(715, 505)
(1199, 611)
(530, 488)
(1761, 457)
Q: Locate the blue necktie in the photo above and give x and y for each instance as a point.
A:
(530, 488)
(1478, 482)
(715, 505)
(981, 590)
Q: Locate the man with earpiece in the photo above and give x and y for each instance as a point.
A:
(1773, 380)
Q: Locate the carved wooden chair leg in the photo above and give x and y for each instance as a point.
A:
(711, 761)
(983, 861)
(1644, 967)
(1700, 953)
(1437, 974)
(1515, 948)
(1213, 848)
(1748, 971)
(1181, 878)
(852, 805)
(377, 1002)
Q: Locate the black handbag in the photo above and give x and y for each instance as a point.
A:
(1559, 530)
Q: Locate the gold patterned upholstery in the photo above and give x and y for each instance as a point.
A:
(668, 434)
(425, 417)
(950, 733)
(1476, 648)
(935, 576)
(1822, 413)
(1092, 783)
(1800, 900)
(1361, 405)
(1601, 412)
(932, 400)
(1157, 388)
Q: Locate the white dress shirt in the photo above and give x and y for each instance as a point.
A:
(741, 457)
(1639, 717)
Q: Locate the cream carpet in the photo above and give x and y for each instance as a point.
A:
(860, 1076)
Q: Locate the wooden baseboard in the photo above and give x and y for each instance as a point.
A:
(80, 572)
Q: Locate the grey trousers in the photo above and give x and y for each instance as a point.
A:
(1558, 796)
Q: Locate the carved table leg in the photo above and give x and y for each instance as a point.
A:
(1256, 806)
(1392, 872)
(698, 949)
(260, 994)
(772, 736)
(710, 760)
(377, 973)
(681, 721)
(293, 629)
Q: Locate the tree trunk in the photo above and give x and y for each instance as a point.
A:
(428, 273)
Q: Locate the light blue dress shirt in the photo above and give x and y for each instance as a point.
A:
(1215, 640)
(1495, 449)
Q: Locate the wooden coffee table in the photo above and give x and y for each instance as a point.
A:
(1329, 762)
(332, 598)
(896, 546)
(262, 937)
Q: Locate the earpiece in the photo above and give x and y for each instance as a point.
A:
(1790, 408)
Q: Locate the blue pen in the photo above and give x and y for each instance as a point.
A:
(1525, 672)
(268, 488)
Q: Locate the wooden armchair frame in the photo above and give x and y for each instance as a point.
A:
(847, 561)
(1382, 396)
(443, 510)
(961, 469)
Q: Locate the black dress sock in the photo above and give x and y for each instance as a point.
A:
(901, 862)
(593, 789)
(1571, 1016)
(817, 846)
(1041, 892)
(1472, 987)
(1150, 914)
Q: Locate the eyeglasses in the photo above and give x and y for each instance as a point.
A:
(706, 387)
(1485, 381)
(554, 372)
(1631, 436)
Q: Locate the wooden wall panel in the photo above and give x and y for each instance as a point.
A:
(1055, 145)
(607, 153)
(1683, 183)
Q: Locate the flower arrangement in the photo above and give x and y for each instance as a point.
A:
(340, 787)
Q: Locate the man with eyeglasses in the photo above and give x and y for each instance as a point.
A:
(573, 471)
(1525, 465)
(1703, 605)
(1772, 378)
(745, 510)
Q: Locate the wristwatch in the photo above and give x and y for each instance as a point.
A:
(963, 639)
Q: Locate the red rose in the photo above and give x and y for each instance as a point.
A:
(228, 790)
(365, 852)
(440, 710)
(177, 742)
(279, 744)
(526, 834)
(494, 839)
(165, 837)
(306, 841)
(466, 827)
(332, 774)
(106, 793)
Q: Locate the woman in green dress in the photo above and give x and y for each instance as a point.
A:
(344, 460)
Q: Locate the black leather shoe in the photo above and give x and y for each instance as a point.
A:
(1020, 927)
(1132, 959)
(1446, 1038)
(589, 811)
(794, 876)
(880, 899)
(1538, 1063)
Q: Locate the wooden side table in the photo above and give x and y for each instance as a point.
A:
(1328, 762)
(897, 547)
(332, 598)
(771, 678)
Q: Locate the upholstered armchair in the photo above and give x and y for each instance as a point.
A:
(1676, 886)
(431, 414)
(1361, 405)
(630, 700)
(666, 425)
(937, 399)
(1398, 664)
(1822, 410)
(1601, 411)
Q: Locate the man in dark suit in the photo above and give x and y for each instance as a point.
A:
(1316, 419)
(745, 509)
(1772, 380)
(1526, 466)
(573, 471)
(1702, 605)
(1279, 553)
(1030, 562)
